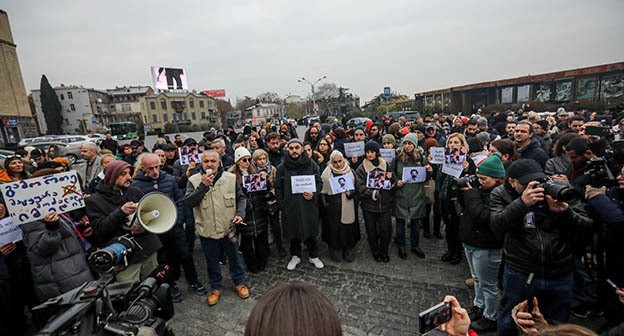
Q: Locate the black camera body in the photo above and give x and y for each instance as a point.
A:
(558, 190)
(600, 173)
(473, 180)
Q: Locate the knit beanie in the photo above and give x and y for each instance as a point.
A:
(411, 137)
(240, 153)
(492, 166)
(543, 124)
(388, 138)
(372, 146)
(113, 170)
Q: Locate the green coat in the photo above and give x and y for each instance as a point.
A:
(409, 200)
(300, 217)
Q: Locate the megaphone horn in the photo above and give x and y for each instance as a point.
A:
(156, 213)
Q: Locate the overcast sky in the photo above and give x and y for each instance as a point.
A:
(250, 47)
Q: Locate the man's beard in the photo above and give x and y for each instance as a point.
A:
(295, 156)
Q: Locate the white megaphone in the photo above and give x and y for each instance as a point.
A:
(156, 213)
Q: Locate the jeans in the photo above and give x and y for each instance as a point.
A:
(554, 296)
(295, 247)
(379, 232)
(212, 249)
(414, 232)
(585, 286)
(484, 266)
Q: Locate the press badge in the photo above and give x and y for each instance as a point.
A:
(529, 220)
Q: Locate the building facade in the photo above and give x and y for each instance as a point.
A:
(602, 83)
(16, 119)
(180, 108)
(127, 104)
(262, 112)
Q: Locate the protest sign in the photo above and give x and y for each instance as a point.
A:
(354, 149)
(453, 161)
(255, 182)
(387, 154)
(302, 183)
(477, 159)
(378, 179)
(437, 155)
(340, 184)
(9, 232)
(32, 199)
(414, 174)
(189, 154)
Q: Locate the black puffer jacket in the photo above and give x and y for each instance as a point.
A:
(474, 228)
(256, 217)
(545, 250)
(107, 220)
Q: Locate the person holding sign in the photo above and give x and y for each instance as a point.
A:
(410, 203)
(300, 213)
(448, 192)
(341, 231)
(376, 203)
(254, 236)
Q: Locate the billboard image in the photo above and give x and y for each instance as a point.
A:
(169, 78)
(214, 93)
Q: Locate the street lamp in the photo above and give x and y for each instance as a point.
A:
(303, 80)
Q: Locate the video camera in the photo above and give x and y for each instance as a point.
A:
(104, 308)
(600, 168)
(114, 257)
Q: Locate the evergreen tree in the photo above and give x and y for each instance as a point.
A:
(51, 107)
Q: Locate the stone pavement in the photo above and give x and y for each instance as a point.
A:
(371, 298)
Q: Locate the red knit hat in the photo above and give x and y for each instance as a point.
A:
(113, 170)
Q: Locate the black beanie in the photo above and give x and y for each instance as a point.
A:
(372, 145)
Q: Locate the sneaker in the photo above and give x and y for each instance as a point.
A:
(317, 262)
(198, 288)
(483, 325)
(214, 297)
(469, 282)
(292, 264)
(242, 290)
(176, 294)
(475, 313)
(418, 252)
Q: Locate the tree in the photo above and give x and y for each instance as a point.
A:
(326, 91)
(269, 97)
(51, 107)
(379, 104)
(223, 106)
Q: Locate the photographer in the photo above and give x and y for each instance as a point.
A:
(482, 247)
(538, 232)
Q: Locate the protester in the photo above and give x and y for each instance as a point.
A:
(14, 169)
(89, 153)
(109, 143)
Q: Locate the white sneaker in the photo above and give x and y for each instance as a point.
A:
(292, 264)
(317, 262)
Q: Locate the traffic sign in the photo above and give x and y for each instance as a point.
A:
(387, 92)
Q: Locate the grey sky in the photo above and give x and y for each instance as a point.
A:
(249, 47)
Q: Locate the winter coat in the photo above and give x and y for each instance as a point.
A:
(545, 250)
(57, 260)
(446, 185)
(409, 200)
(165, 184)
(300, 217)
(374, 200)
(559, 165)
(256, 217)
(108, 221)
(276, 158)
(474, 227)
(610, 207)
(534, 151)
(339, 144)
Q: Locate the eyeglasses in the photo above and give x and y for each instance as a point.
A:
(245, 159)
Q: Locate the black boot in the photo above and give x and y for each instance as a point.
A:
(402, 253)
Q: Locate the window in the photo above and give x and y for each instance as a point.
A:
(163, 104)
(126, 107)
(155, 118)
(201, 103)
(145, 118)
(175, 117)
(191, 103)
(69, 95)
(152, 105)
(62, 96)
(193, 116)
(165, 117)
(203, 115)
(185, 116)
(72, 107)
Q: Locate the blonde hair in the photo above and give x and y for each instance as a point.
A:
(106, 156)
(459, 136)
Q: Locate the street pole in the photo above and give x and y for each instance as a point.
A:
(304, 80)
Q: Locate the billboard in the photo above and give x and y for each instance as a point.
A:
(169, 78)
(215, 93)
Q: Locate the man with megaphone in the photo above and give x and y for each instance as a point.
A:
(174, 253)
(108, 210)
(218, 204)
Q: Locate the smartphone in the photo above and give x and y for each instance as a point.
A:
(597, 130)
(434, 317)
(530, 293)
(612, 284)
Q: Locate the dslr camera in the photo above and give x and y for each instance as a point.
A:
(473, 180)
(558, 190)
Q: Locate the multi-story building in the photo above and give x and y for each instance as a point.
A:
(127, 102)
(84, 110)
(16, 119)
(181, 108)
(261, 112)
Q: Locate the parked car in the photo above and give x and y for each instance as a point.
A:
(355, 122)
(96, 138)
(70, 150)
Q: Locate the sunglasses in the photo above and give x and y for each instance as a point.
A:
(245, 160)
(12, 157)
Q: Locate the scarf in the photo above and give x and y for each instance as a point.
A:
(297, 165)
(347, 212)
(370, 165)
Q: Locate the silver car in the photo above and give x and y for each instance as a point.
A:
(70, 150)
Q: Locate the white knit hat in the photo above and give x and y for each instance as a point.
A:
(240, 153)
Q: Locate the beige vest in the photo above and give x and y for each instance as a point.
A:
(213, 216)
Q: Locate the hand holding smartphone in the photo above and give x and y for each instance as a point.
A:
(434, 317)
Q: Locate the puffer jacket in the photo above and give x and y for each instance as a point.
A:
(534, 151)
(165, 184)
(57, 260)
(545, 250)
(108, 221)
(256, 216)
(384, 198)
(474, 227)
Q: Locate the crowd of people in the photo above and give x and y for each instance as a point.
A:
(525, 199)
